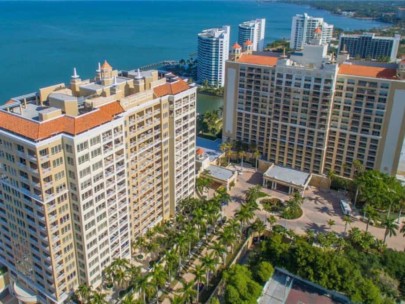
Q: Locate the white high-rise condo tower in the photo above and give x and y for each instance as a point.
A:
(303, 29)
(254, 31)
(213, 51)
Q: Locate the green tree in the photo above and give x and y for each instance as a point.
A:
(209, 263)
(271, 220)
(403, 229)
(199, 273)
(263, 272)
(240, 286)
(390, 228)
(241, 155)
(226, 147)
(331, 223)
(259, 227)
(244, 215)
(371, 213)
(84, 293)
(98, 298)
(256, 156)
(347, 220)
(219, 251)
(188, 291)
(159, 276)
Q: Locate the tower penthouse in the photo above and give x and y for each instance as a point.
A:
(85, 169)
(316, 113)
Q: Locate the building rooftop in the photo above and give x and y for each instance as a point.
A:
(288, 175)
(36, 130)
(83, 105)
(258, 59)
(171, 88)
(367, 71)
(220, 173)
(286, 288)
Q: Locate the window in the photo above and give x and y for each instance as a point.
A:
(82, 146)
(84, 158)
(56, 149)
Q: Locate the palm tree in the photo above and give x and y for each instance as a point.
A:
(202, 183)
(199, 273)
(371, 213)
(128, 299)
(256, 155)
(347, 219)
(222, 194)
(84, 293)
(252, 194)
(228, 237)
(403, 229)
(177, 299)
(259, 227)
(172, 259)
(190, 234)
(142, 286)
(188, 291)
(219, 250)
(331, 223)
(226, 147)
(140, 243)
(209, 263)
(241, 155)
(244, 215)
(98, 298)
(271, 220)
(159, 276)
(390, 228)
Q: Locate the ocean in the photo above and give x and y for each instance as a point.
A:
(41, 41)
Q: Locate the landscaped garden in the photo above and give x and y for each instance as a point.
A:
(181, 260)
(290, 209)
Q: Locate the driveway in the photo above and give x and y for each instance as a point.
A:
(319, 206)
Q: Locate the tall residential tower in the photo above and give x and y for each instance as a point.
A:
(85, 169)
(303, 29)
(213, 51)
(317, 113)
(254, 31)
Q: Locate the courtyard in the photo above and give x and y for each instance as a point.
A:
(320, 206)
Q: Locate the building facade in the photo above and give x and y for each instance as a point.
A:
(85, 169)
(369, 46)
(213, 52)
(315, 113)
(303, 30)
(254, 31)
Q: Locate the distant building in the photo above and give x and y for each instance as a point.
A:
(401, 13)
(213, 51)
(254, 31)
(370, 46)
(303, 28)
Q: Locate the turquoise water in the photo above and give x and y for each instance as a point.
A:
(42, 41)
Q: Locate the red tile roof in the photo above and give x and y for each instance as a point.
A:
(259, 60)
(171, 88)
(248, 42)
(200, 151)
(367, 71)
(65, 124)
(106, 66)
(318, 30)
(236, 46)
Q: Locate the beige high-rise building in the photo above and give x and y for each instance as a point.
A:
(316, 113)
(87, 168)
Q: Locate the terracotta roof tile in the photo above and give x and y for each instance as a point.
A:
(65, 124)
(248, 42)
(257, 59)
(171, 88)
(106, 66)
(200, 151)
(236, 46)
(367, 71)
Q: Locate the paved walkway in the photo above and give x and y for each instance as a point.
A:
(319, 206)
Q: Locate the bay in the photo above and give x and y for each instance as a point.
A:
(42, 41)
